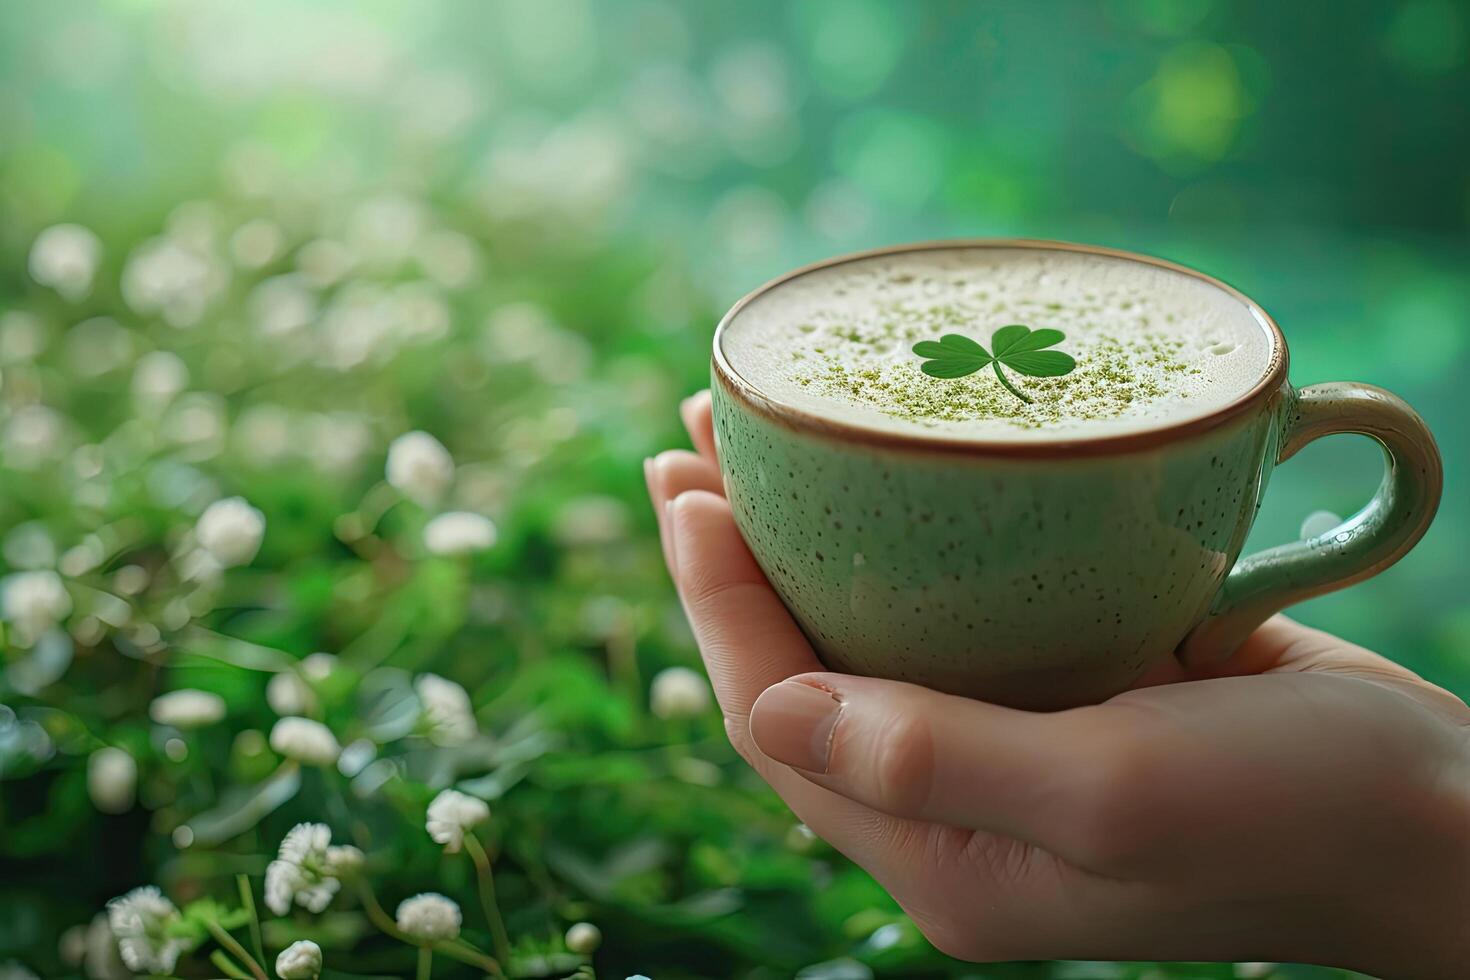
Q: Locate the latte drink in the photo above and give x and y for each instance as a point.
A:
(1151, 346)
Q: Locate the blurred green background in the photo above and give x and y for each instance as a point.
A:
(513, 225)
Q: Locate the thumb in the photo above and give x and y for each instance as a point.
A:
(915, 753)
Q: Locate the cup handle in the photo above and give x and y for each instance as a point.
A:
(1266, 582)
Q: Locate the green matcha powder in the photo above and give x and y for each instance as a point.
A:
(854, 364)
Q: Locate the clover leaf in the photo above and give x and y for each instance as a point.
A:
(1017, 347)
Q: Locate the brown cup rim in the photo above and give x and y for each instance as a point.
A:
(1270, 382)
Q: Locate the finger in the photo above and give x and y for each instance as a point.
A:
(699, 420)
(671, 473)
(747, 638)
(915, 753)
(749, 641)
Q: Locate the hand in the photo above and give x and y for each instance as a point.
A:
(1307, 801)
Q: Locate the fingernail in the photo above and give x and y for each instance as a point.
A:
(793, 723)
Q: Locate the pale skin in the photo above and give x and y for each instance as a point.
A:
(1308, 801)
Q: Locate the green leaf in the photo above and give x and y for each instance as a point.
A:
(1015, 345)
(1037, 339)
(960, 344)
(1041, 364)
(953, 367)
(1006, 337)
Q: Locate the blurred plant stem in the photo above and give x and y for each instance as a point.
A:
(229, 942)
(455, 949)
(486, 881)
(228, 966)
(247, 898)
(426, 962)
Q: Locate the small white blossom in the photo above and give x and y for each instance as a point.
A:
(344, 860)
(419, 467)
(33, 436)
(318, 666)
(175, 279)
(356, 756)
(231, 530)
(35, 601)
(159, 376)
(301, 960)
(187, 708)
(305, 741)
(447, 709)
(288, 694)
(282, 305)
(458, 533)
(303, 871)
(451, 815)
(256, 242)
(140, 920)
(678, 692)
(584, 938)
(102, 959)
(429, 918)
(65, 257)
(112, 779)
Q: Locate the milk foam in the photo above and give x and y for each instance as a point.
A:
(1153, 346)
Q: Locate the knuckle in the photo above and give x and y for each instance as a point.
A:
(903, 765)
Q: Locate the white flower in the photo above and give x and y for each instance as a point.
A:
(679, 692)
(33, 436)
(584, 938)
(318, 666)
(65, 257)
(231, 530)
(451, 814)
(112, 779)
(419, 467)
(301, 960)
(103, 960)
(458, 533)
(344, 860)
(447, 710)
(35, 601)
(171, 278)
(159, 376)
(305, 741)
(140, 920)
(282, 305)
(288, 694)
(429, 917)
(187, 708)
(303, 871)
(256, 242)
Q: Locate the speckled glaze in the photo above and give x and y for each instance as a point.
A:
(1053, 574)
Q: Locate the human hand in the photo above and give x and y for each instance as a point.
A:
(1307, 801)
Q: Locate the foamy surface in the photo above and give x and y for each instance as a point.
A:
(1153, 347)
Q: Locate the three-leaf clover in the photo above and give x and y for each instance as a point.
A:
(1019, 348)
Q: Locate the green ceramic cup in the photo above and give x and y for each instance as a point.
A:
(1045, 575)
